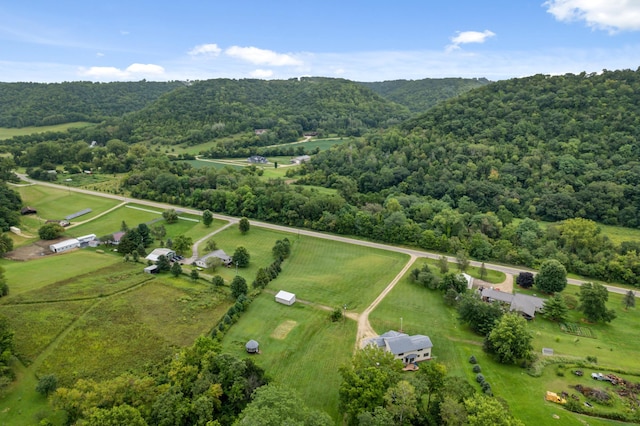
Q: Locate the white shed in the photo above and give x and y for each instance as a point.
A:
(285, 298)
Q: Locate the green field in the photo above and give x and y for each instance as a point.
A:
(306, 358)
(423, 311)
(7, 133)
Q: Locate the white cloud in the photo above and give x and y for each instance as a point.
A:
(262, 56)
(210, 49)
(261, 73)
(464, 37)
(99, 54)
(611, 15)
(133, 71)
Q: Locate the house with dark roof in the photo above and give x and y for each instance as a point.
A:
(408, 349)
(521, 303)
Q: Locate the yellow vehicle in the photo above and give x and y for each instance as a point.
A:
(553, 397)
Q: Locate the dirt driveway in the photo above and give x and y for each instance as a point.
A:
(33, 251)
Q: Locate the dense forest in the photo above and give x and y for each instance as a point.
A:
(39, 104)
(551, 148)
(209, 109)
(421, 95)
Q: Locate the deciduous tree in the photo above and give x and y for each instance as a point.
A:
(629, 300)
(182, 244)
(170, 216)
(238, 286)
(244, 225)
(552, 277)
(593, 298)
(207, 218)
(176, 269)
(50, 231)
(510, 340)
(241, 257)
(6, 244)
(525, 279)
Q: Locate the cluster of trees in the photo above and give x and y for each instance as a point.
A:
(199, 385)
(440, 225)
(421, 95)
(373, 392)
(10, 201)
(6, 348)
(44, 104)
(544, 147)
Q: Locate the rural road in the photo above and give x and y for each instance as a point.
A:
(410, 251)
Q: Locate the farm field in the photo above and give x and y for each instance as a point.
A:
(7, 133)
(423, 311)
(301, 348)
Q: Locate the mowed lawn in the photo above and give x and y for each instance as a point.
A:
(54, 203)
(9, 132)
(301, 348)
(423, 311)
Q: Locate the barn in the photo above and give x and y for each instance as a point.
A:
(285, 298)
(64, 245)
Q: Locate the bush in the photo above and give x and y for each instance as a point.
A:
(336, 315)
(472, 359)
(476, 368)
(47, 384)
(480, 378)
(592, 359)
(525, 279)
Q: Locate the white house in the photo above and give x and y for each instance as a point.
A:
(301, 159)
(407, 349)
(285, 298)
(156, 253)
(64, 245)
(220, 254)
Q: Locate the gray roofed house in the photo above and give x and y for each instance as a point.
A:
(522, 303)
(220, 254)
(406, 348)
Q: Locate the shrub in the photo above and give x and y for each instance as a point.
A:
(476, 368)
(336, 315)
(472, 359)
(480, 378)
(47, 384)
(592, 359)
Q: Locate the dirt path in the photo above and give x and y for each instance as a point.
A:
(506, 285)
(365, 331)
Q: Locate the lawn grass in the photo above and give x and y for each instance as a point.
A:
(9, 132)
(31, 275)
(112, 221)
(307, 359)
(54, 203)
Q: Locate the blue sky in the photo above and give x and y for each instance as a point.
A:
(373, 40)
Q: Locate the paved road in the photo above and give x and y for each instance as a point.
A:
(410, 251)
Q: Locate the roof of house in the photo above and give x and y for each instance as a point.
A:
(518, 302)
(220, 254)
(285, 295)
(117, 235)
(403, 344)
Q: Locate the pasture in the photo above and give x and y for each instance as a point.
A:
(306, 358)
(9, 132)
(423, 311)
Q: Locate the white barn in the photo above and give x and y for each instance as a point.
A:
(156, 253)
(285, 298)
(64, 245)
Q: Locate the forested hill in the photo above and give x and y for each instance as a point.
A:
(40, 104)
(547, 147)
(286, 108)
(420, 95)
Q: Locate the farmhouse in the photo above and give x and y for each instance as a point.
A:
(220, 254)
(156, 253)
(64, 245)
(285, 298)
(300, 159)
(521, 303)
(407, 349)
(257, 159)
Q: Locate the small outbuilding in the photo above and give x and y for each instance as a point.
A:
(28, 210)
(285, 298)
(151, 269)
(252, 347)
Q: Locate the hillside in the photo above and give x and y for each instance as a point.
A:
(286, 108)
(420, 95)
(39, 104)
(546, 147)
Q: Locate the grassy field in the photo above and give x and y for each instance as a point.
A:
(7, 133)
(306, 358)
(424, 312)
